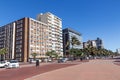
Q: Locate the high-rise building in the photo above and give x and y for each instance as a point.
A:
(118, 50)
(25, 36)
(98, 43)
(67, 36)
(55, 31)
(7, 39)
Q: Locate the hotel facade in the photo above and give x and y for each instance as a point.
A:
(25, 36)
(68, 33)
(54, 30)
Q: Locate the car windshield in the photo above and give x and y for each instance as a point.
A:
(13, 61)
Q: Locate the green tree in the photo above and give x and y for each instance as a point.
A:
(66, 48)
(100, 52)
(86, 51)
(52, 54)
(34, 55)
(56, 56)
(74, 41)
(80, 53)
(3, 51)
(93, 51)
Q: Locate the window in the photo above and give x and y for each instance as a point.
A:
(18, 38)
(19, 42)
(20, 29)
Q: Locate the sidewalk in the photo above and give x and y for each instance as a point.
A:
(55, 62)
(93, 70)
(27, 72)
(29, 65)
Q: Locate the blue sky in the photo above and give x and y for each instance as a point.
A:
(92, 18)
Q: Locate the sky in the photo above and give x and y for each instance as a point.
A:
(92, 18)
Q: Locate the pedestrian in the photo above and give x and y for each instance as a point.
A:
(30, 61)
(37, 63)
(81, 58)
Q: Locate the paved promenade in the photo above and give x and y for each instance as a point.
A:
(29, 71)
(93, 70)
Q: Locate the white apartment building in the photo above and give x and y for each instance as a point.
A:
(94, 44)
(55, 31)
(118, 50)
(38, 38)
(98, 43)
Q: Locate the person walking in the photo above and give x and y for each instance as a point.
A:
(30, 61)
(37, 63)
(81, 58)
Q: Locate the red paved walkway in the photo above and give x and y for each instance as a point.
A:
(26, 72)
(93, 70)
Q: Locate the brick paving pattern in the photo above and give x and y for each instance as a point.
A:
(93, 70)
(26, 72)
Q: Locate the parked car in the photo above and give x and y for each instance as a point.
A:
(34, 60)
(3, 64)
(49, 60)
(62, 60)
(13, 64)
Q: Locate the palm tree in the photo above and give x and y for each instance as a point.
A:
(56, 56)
(67, 48)
(86, 51)
(74, 41)
(93, 51)
(52, 54)
(3, 51)
(34, 55)
(80, 54)
(73, 52)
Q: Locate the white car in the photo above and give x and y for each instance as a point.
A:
(34, 61)
(48, 60)
(13, 64)
(3, 64)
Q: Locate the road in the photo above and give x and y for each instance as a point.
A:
(92, 70)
